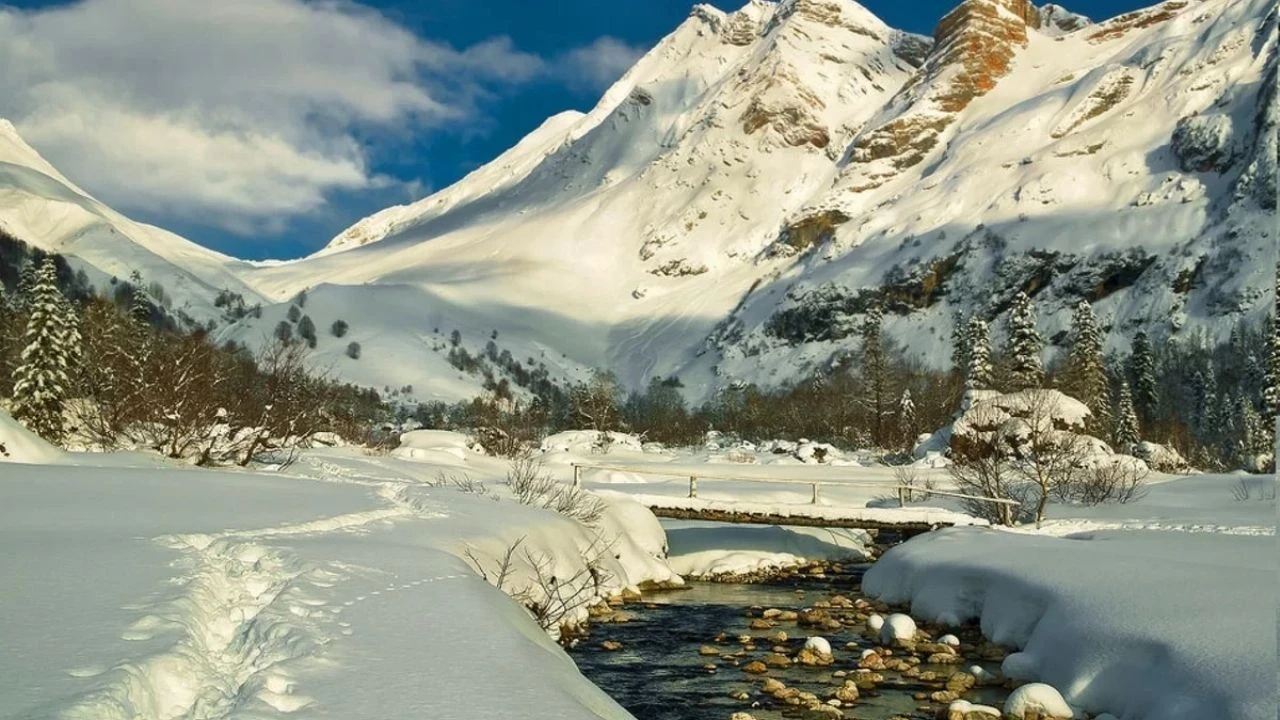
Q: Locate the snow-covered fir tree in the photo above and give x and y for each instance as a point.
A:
(907, 416)
(960, 343)
(140, 303)
(1271, 383)
(1127, 433)
(1086, 374)
(26, 285)
(980, 375)
(1025, 345)
(1142, 376)
(1255, 436)
(42, 380)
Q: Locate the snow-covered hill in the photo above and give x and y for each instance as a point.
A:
(41, 207)
(736, 201)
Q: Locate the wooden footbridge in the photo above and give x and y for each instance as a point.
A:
(905, 519)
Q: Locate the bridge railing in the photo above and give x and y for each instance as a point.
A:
(905, 492)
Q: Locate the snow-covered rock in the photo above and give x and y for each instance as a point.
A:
(818, 645)
(898, 628)
(1038, 697)
(875, 622)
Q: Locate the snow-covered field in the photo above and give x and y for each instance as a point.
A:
(345, 585)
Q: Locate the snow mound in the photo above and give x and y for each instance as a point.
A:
(591, 442)
(18, 444)
(1040, 698)
(436, 446)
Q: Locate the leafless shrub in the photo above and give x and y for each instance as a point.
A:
(461, 482)
(918, 487)
(551, 600)
(1117, 481)
(501, 573)
(531, 486)
(1254, 489)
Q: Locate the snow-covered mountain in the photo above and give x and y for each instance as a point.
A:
(41, 207)
(736, 201)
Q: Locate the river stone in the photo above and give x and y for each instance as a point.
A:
(772, 685)
(846, 693)
(777, 660)
(761, 624)
(708, 650)
(742, 716)
(610, 645)
(961, 682)
(755, 667)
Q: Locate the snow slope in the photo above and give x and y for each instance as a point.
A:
(731, 206)
(39, 206)
(20, 445)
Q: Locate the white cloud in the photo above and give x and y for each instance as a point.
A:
(598, 65)
(242, 113)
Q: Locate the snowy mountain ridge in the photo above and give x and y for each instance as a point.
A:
(738, 199)
(42, 207)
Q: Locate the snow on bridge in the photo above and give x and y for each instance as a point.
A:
(906, 519)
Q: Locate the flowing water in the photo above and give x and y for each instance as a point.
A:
(659, 674)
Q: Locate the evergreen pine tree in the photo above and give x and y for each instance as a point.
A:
(1025, 344)
(907, 417)
(1086, 374)
(960, 344)
(1271, 385)
(140, 304)
(26, 285)
(1142, 375)
(42, 379)
(1127, 433)
(1255, 437)
(876, 374)
(980, 375)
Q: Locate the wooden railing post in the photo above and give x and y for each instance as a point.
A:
(693, 486)
(902, 497)
(815, 494)
(577, 475)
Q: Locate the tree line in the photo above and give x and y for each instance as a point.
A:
(1213, 403)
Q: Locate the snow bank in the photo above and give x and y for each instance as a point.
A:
(18, 444)
(1149, 626)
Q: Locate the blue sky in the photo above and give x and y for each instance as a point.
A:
(262, 128)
